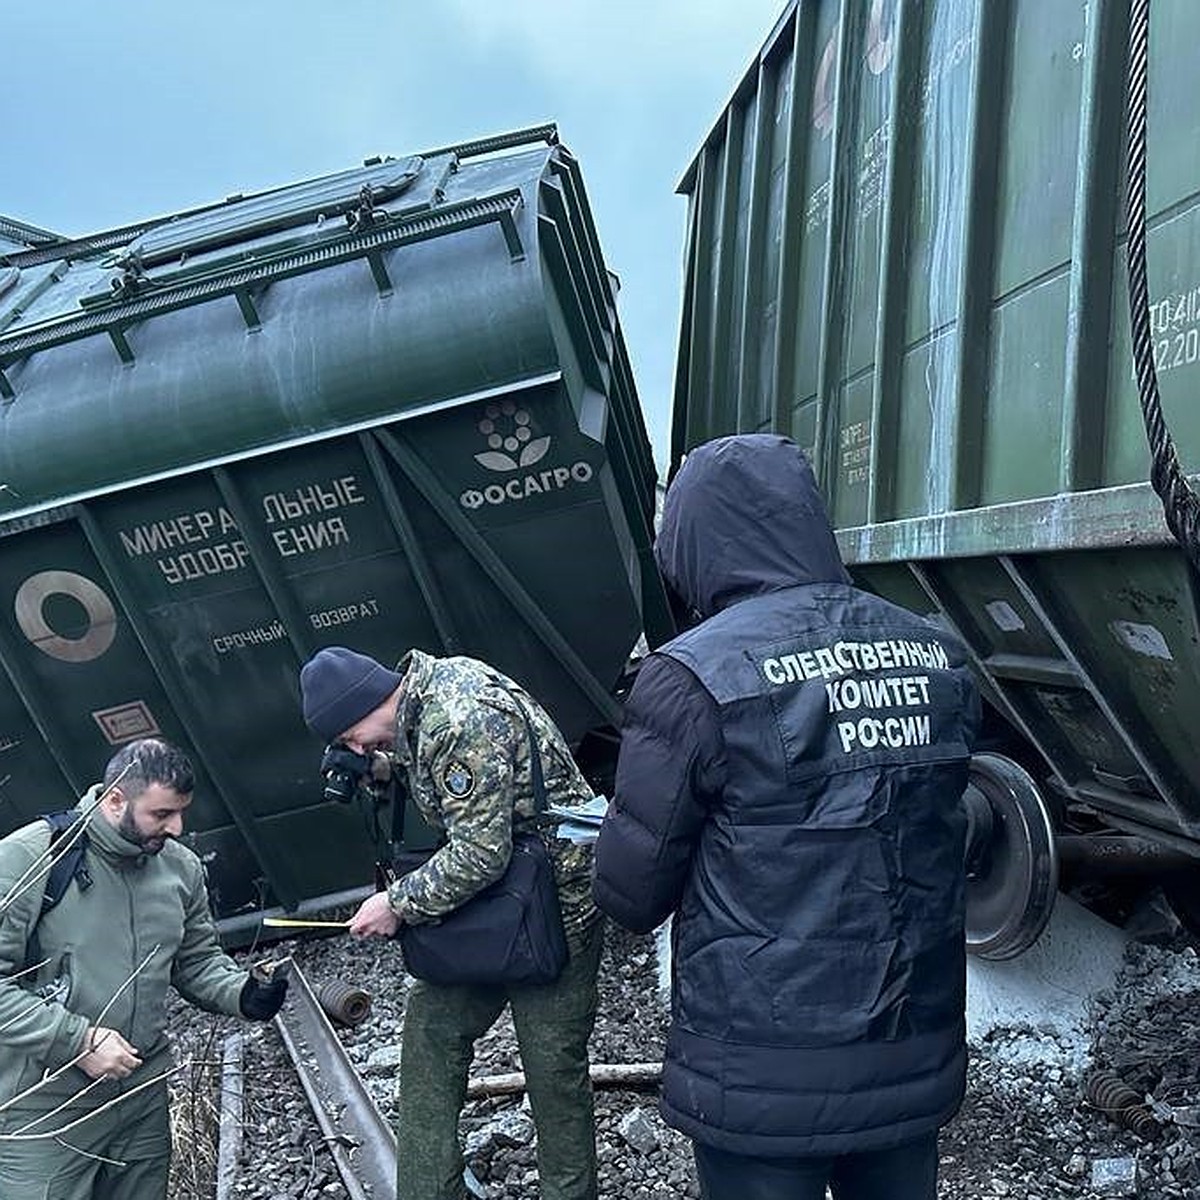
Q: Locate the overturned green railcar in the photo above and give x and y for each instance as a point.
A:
(389, 407)
(906, 249)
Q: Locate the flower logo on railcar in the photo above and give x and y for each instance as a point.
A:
(508, 431)
(513, 449)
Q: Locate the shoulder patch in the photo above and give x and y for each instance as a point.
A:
(458, 779)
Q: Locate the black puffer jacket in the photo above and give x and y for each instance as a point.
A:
(789, 786)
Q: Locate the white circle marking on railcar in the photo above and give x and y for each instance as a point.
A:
(102, 616)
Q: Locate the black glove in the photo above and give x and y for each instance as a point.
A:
(262, 996)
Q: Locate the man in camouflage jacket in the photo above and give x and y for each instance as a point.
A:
(456, 728)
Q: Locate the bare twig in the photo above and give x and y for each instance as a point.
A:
(35, 1003)
(194, 1119)
(312, 1169)
(135, 973)
(27, 971)
(49, 1077)
(112, 1162)
(95, 1083)
(91, 1113)
(93, 1042)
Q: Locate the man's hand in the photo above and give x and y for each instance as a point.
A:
(109, 1055)
(374, 916)
(263, 993)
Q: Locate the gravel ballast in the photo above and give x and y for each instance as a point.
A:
(1027, 1128)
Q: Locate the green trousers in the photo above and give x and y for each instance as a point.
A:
(553, 1024)
(122, 1153)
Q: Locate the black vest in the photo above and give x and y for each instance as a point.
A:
(820, 968)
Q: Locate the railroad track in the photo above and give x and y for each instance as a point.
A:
(360, 1139)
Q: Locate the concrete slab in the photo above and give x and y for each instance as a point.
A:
(1047, 988)
(1038, 1002)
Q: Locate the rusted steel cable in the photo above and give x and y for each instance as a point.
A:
(1181, 505)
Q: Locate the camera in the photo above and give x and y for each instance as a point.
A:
(342, 770)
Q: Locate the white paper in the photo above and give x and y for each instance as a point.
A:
(580, 823)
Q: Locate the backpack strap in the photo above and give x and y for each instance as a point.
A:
(71, 864)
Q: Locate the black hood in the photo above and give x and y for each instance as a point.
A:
(744, 516)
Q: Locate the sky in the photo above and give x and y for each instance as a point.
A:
(123, 109)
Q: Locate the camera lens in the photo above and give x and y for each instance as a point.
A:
(339, 787)
(342, 769)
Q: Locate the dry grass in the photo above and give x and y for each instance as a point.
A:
(196, 1122)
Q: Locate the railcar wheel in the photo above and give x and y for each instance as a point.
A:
(1012, 862)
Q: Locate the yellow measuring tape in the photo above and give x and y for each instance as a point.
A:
(281, 922)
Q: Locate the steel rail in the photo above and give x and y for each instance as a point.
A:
(232, 1113)
(358, 1136)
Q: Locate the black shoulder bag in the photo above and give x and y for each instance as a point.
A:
(510, 932)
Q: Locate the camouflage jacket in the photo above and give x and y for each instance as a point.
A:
(464, 746)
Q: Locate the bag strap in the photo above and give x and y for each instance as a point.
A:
(71, 864)
(535, 763)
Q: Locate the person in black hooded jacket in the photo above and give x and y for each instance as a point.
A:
(789, 787)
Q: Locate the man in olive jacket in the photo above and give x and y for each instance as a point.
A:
(789, 786)
(83, 1097)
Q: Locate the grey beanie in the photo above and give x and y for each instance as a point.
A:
(340, 686)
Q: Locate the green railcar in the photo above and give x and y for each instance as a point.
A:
(906, 249)
(385, 408)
